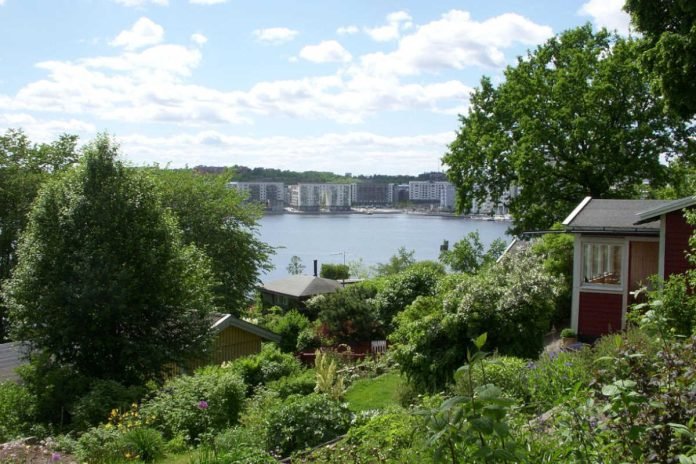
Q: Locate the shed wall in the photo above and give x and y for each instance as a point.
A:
(600, 313)
(677, 233)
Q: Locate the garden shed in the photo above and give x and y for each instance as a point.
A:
(619, 245)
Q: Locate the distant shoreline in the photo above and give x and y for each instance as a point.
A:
(383, 211)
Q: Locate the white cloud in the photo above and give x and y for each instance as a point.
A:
(347, 30)
(358, 152)
(45, 130)
(207, 2)
(328, 51)
(455, 41)
(140, 3)
(275, 35)
(144, 32)
(397, 22)
(199, 39)
(607, 13)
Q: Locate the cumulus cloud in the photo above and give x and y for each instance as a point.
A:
(199, 39)
(347, 30)
(40, 130)
(607, 13)
(140, 3)
(397, 22)
(275, 35)
(328, 51)
(144, 32)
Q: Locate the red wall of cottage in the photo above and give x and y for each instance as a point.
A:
(677, 233)
(600, 313)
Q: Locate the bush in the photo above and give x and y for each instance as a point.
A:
(289, 326)
(348, 315)
(553, 377)
(98, 445)
(301, 422)
(104, 396)
(568, 333)
(240, 445)
(16, 411)
(192, 405)
(505, 372)
(299, 384)
(143, 443)
(334, 271)
(271, 364)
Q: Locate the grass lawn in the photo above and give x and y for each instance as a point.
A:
(375, 393)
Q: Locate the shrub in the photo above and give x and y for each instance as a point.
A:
(104, 396)
(98, 445)
(505, 372)
(568, 333)
(308, 340)
(16, 410)
(289, 326)
(553, 377)
(348, 315)
(240, 445)
(192, 405)
(335, 271)
(301, 422)
(143, 443)
(271, 364)
(299, 384)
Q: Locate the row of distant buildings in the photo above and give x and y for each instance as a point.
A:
(311, 197)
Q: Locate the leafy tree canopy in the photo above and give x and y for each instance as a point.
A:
(576, 117)
(295, 267)
(215, 219)
(467, 255)
(104, 281)
(335, 271)
(669, 28)
(397, 263)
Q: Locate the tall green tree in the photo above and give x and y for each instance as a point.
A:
(575, 117)
(669, 28)
(397, 263)
(104, 282)
(468, 255)
(24, 166)
(215, 219)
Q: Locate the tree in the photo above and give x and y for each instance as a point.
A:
(397, 263)
(295, 267)
(576, 117)
(348, 315)
(669, 28)
(467, 255)
(104, 283)
(23, 168)
(215, 219)
(335, 271)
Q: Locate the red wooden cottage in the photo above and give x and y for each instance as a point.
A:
(619, 244)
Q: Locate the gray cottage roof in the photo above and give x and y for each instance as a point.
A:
(671, 206)
(301, 286)
(613, 217)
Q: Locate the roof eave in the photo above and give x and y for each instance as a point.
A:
(576, 211)
(654, 213)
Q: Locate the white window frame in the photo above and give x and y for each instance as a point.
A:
(623, 266)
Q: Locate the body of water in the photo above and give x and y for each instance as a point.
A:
(331, 238)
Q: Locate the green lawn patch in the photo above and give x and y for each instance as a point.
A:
(376, 393)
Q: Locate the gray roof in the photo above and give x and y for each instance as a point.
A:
(301, 285)
(613, 217)
(12, 355)
(674, 205)
(227, 320)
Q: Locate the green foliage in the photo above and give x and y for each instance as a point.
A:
(573, 118)
(301, 422)
(16, 411)
(348, 315)
(670, 31)
(556, 250)
(99, 445)
(215, 219)
(288, 326)
(295, 267)
(375, 393)
(296, 384)
(473, 428)
(271, 364)
(176, 409)
(553, 378)
(397, 263)
(400, 290)
(467, 255)
(102, 265)
(104, 395)
(505, 372)
(335, 271)
(24, 167)
(143, 443)
(670, 309)
(512, 300)
(568, 333)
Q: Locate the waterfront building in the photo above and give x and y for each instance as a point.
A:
(427, 191)
(317, 197)
(372, 194)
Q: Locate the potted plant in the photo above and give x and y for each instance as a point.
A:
(569, 337)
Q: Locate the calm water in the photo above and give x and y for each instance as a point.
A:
(374, 238)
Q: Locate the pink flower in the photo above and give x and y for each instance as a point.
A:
(203, 405)
(55, 457)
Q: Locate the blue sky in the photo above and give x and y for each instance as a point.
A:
(363, 86)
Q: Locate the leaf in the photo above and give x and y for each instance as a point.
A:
(481, 340)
